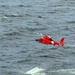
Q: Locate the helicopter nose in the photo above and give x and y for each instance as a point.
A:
(36, 39)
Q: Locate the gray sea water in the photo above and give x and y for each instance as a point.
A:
(22, 21)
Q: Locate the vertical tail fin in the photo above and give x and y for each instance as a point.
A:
(62, 41)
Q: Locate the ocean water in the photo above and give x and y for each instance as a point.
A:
(23, 21)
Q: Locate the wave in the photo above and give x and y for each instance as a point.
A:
(35, 29)
(71, 22)
(12, 33)
(69, 46)
(63, 71)
(51, 72)
(13, 15)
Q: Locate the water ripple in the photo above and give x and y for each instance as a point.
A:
(13, 15)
